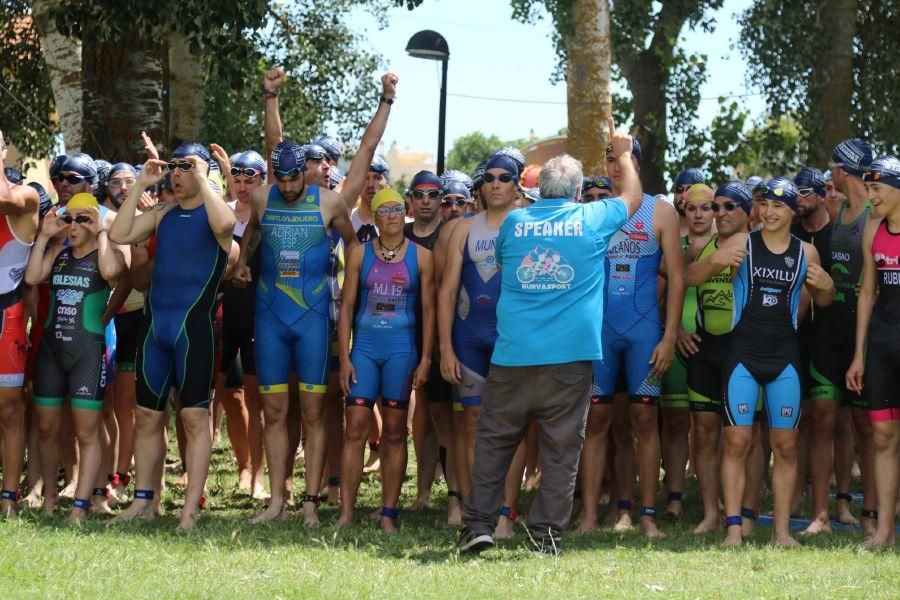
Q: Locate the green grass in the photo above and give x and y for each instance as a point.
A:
(43, 557)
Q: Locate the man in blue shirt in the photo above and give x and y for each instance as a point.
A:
(548, 323)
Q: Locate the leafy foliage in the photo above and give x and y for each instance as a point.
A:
(469, 150)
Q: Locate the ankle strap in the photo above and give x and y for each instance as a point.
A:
(749, 513)
(82, 503)
(733, 521)
(143, 494)
(390, 513)
(13, 496)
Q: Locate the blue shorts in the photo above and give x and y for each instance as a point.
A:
(631, 350)
(304, 347)
(474, 350)
(383, 368)
(781, 397)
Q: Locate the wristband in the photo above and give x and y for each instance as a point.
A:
(387, 101)
(267, 94)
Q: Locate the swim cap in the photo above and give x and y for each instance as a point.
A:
(635, 150)
(426, 178)
(332, 147)
(379, 165)
(249, 159)
(853, 155)
(754, 180)
(456, 188)
(515, 154)
(13, 175)
(193, 149)
(809, 177)
(827, 175)
(603, 183)
(217, 182)
(385, 196)
(165, 183)
(689, 177)
(335, 177)
(532, 194)
(287, 156)
(56, 165)
(738, 192)
(699, 192)
(502, 161)
(103, 168)
(780, 189)
(478, 175)
(122, 166)
(456, 175)
(884, 169)
(46, 203)
(82, 164)
(82, 200)
(314, 152)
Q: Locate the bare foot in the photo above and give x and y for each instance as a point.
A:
(373, 464)
(272, 513)
(388, 525)
(505, 529)
(880, 541)
(650, 530)
(259, 492)
(289, 497)
(454, 513)
(420, 504)
(375, 515)
(101, 507)
(734, 538)
(747, 527)
(9, 509)
(50, 504)
(342, 522)
(139, 509)
(785, 541)
(310, 514)
(708, 526)
(68, 492)
(532, 481)
(868, 526)
(844, 515)
(334, 495)
(78, 516)
(817, 526)
(623, 523)
(244, 478)
(188, 520)
(674, 510)
(182, 481)
(33, 499)
(587, 525)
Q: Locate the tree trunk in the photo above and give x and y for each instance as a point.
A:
(63, 58)
(647, 80)
(589, 57)
(832, 79)
(123, 94)
(186, 93)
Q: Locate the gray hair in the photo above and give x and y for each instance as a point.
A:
(561, 177)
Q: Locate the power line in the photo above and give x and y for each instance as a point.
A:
(558, 102)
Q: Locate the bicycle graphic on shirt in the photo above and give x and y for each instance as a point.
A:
(545, 263)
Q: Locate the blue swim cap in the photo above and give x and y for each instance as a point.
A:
(379, 165)
(56, 164)
(827, 175)
(853, 155)
(314, 152)
(249, 159)
(532, 195)
(456, 188)
(478, 175)
(884, 169)
(738, 192)
(287, 156)
(502, 161)
(456, 175)
(689, 177)
(515, 154)
(635, 150)
(810, 177)
(103, 168)
(123, 166)
(193, 149)
(82, 164)
(46, 203)
(332, 147)
(423, 178)
(335, 177)
(780, 189)
(13, 175)
(754, 180)
(165, 183)
(603, 183)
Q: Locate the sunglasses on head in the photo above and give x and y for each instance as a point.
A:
(246, 171)
(384, 211)
(72, 178)
(80, 219)
(726, 206)
(805, 191)
(503, 177)
(117, 183)
(290, 175)
(458, 201)
(429, 194)
(184, 166)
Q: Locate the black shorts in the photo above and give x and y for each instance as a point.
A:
(830, 357)
(705, 373)
(881, 383)
(436, 388)
(78, 372)
(807, 335)
(128, 332)
(237, 338)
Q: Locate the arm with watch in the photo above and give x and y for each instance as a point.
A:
(273, 132)
(356, 174)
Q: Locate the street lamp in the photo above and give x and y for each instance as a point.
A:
(431, 45)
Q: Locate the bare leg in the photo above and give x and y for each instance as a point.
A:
(49, 423)
(512, 485)
(460, 452)
(755, 477)
(442, 419)
(784, 480)
(68, 453)
(844, 453)
(593, 463)
(886, 442)
(393, 461)
(675, 448)
(275, 408)
(864, 435)
(313, 406)
(149, 460)
(237, 424)
(823, 414)
(255, 429)
(199, 448)
(35, 481)
(707, 426)
(645, 422)
(623, 461)
(425, 443)
(734, 459)
(334, 422)
(87, 432)
(532, 458)
(358, 422)
(125, 403)
(374, 464)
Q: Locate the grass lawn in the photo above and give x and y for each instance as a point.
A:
(227, 558)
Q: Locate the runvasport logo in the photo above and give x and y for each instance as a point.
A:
(544, 269)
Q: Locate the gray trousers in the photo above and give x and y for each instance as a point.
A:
(558, 397)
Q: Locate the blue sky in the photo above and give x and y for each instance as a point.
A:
(493, 56)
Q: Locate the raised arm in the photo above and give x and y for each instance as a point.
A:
(130, 227)
(273, 132)
(219, 215)
(14, 202)
(40, 261)
(359, 167)
(631, 191)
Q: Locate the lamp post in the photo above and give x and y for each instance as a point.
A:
(431, 45)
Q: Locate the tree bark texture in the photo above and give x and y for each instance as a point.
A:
(647, 79)
(589, 56)
(186, 92)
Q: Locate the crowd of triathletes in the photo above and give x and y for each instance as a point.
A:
(326, 313)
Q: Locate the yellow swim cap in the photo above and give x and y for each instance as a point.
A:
(217, 182)
(699, 192)
(82, 200)
(384, 196)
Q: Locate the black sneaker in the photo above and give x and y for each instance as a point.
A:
(544, 547)
(472, 542)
